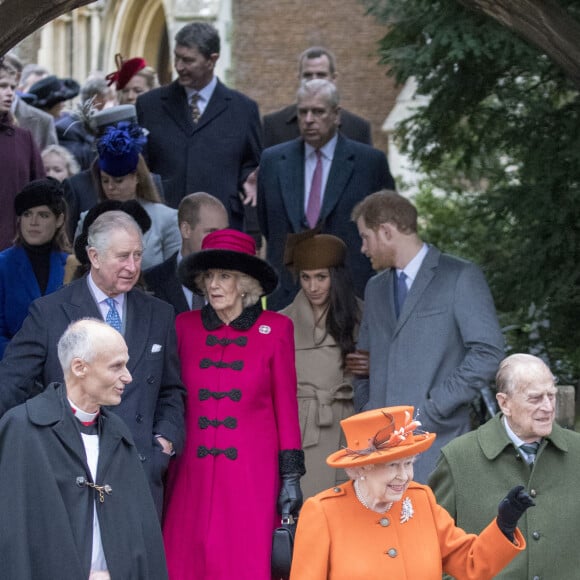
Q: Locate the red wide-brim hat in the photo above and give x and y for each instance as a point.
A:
(227, 250)
(380, 436)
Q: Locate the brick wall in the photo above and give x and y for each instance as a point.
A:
(268, 36)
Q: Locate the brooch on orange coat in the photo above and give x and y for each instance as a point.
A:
(407, 511)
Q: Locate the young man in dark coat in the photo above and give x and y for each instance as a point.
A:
(76, 502)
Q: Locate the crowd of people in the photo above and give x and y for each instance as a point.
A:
(207, 318)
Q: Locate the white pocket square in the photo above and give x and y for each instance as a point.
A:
(156, 348)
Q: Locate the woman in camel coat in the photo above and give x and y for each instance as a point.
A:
(326, 314)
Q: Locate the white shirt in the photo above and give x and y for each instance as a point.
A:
(91, 445)
(529, 459)
(412, 268)
(204, 95)
(100, 298)
(186, 291)
(327, 155)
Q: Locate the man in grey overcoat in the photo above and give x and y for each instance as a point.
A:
(473, 470)
(429, 325)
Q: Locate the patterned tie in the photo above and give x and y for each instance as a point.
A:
(113, 318)
(400, 292)
(530, 449)
(313, 207)
(195, 112)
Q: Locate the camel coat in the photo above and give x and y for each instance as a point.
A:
(324, 396)
(339, 539)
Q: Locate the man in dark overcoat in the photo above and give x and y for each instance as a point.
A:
(153, 405)
(75, 500)
(203, 136)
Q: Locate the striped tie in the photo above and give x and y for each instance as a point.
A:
(530, 449)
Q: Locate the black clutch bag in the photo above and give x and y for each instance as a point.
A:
(282, 546)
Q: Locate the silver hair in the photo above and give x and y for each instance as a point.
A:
(319, 86)
(248, 287)
(78, 341)
(520, 369)
(99, 234)
(355, 472)
(94, 87)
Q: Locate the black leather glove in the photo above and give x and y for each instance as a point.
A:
(511, 509)
(290, 498)
(291, 470)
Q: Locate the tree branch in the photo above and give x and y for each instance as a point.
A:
(22, 17)
(543, 23)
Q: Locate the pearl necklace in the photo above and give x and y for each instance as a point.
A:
(363, 501)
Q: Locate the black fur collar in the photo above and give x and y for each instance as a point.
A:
(249, 315)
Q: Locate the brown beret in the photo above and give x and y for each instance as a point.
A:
(311, 251)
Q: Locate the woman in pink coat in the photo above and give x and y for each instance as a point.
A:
(242, 457)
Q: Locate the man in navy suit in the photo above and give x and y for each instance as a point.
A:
(198, 214)
(203, 136)
(153, 404)
(321, 169)
(314, 63)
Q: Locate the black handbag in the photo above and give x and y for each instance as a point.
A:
(282, 546)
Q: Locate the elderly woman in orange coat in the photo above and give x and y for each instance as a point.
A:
(383, 525)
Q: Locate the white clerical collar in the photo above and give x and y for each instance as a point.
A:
(81, 415)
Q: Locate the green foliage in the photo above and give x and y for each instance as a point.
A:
(501, 138)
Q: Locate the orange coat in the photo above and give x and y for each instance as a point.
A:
(339, 539)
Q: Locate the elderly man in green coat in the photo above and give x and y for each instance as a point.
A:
(521, 445)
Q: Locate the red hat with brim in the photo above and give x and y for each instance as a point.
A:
(380, 436)
(227, 250)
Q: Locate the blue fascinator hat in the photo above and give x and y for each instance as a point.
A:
(119, 148)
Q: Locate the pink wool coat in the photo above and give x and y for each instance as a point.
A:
(241, 411)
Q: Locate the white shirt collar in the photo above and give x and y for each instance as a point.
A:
(327, 149)
(412, 268)
(100, 296)
(516, 440)
(205, 93)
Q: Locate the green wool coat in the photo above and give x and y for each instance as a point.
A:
(474, 473)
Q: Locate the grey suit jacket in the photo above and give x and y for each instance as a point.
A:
(39, 123)
(443, 349)
(153, 403)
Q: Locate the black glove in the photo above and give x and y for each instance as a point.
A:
(511, 509)
(290, 498)
(291, 470)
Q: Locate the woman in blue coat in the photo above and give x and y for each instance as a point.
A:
(34, 265)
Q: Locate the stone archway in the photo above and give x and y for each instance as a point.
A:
(137, 28)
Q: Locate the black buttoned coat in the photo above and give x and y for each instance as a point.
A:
(47, 517)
